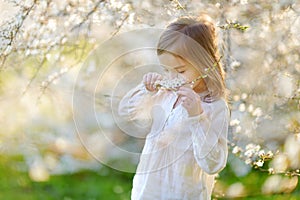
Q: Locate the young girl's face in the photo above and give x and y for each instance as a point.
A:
(175, 66)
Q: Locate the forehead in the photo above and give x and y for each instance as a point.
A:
(170, 60)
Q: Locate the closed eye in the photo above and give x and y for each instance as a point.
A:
(180, 69)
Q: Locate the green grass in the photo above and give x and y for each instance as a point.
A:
(105, 183)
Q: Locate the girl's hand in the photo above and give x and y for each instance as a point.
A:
(149, 80)
(190, 100)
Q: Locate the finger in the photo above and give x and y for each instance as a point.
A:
(190, 90)
(155, 75)
(158, 77)
(186, 100)
(146, 76)
(161, 77)
(186, 89)
(182, 92)
(151, 85)
(148, 81)
(145, 79)
(183, 99)
(185, 104)
(185, 93)
(154, 78)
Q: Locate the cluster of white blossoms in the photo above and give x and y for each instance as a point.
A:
(36, 27)
(253, 154)
(170, 84)
(7, 32)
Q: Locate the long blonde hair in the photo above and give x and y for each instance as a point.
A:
(194, 39)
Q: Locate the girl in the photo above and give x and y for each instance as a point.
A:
(186, 108)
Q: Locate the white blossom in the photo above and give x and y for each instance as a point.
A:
(259, 163)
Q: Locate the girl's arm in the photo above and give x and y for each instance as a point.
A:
(137, 103)
(135, 106)
(209, 137)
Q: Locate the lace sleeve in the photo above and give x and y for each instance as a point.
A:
(209, 137)
(136, 105)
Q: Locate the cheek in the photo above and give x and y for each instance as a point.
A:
(190, 75)
(184, 76)
(170, 74)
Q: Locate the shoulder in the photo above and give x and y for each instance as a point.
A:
(218, 103)
(221, 106)
(221, 103)
(218, 106)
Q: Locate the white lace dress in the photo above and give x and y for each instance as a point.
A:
(182, 154)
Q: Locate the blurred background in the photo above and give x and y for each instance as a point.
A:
(62, 72)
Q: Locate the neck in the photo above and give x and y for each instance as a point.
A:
(200, 87)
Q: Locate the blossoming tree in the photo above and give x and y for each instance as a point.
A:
(44, 43)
